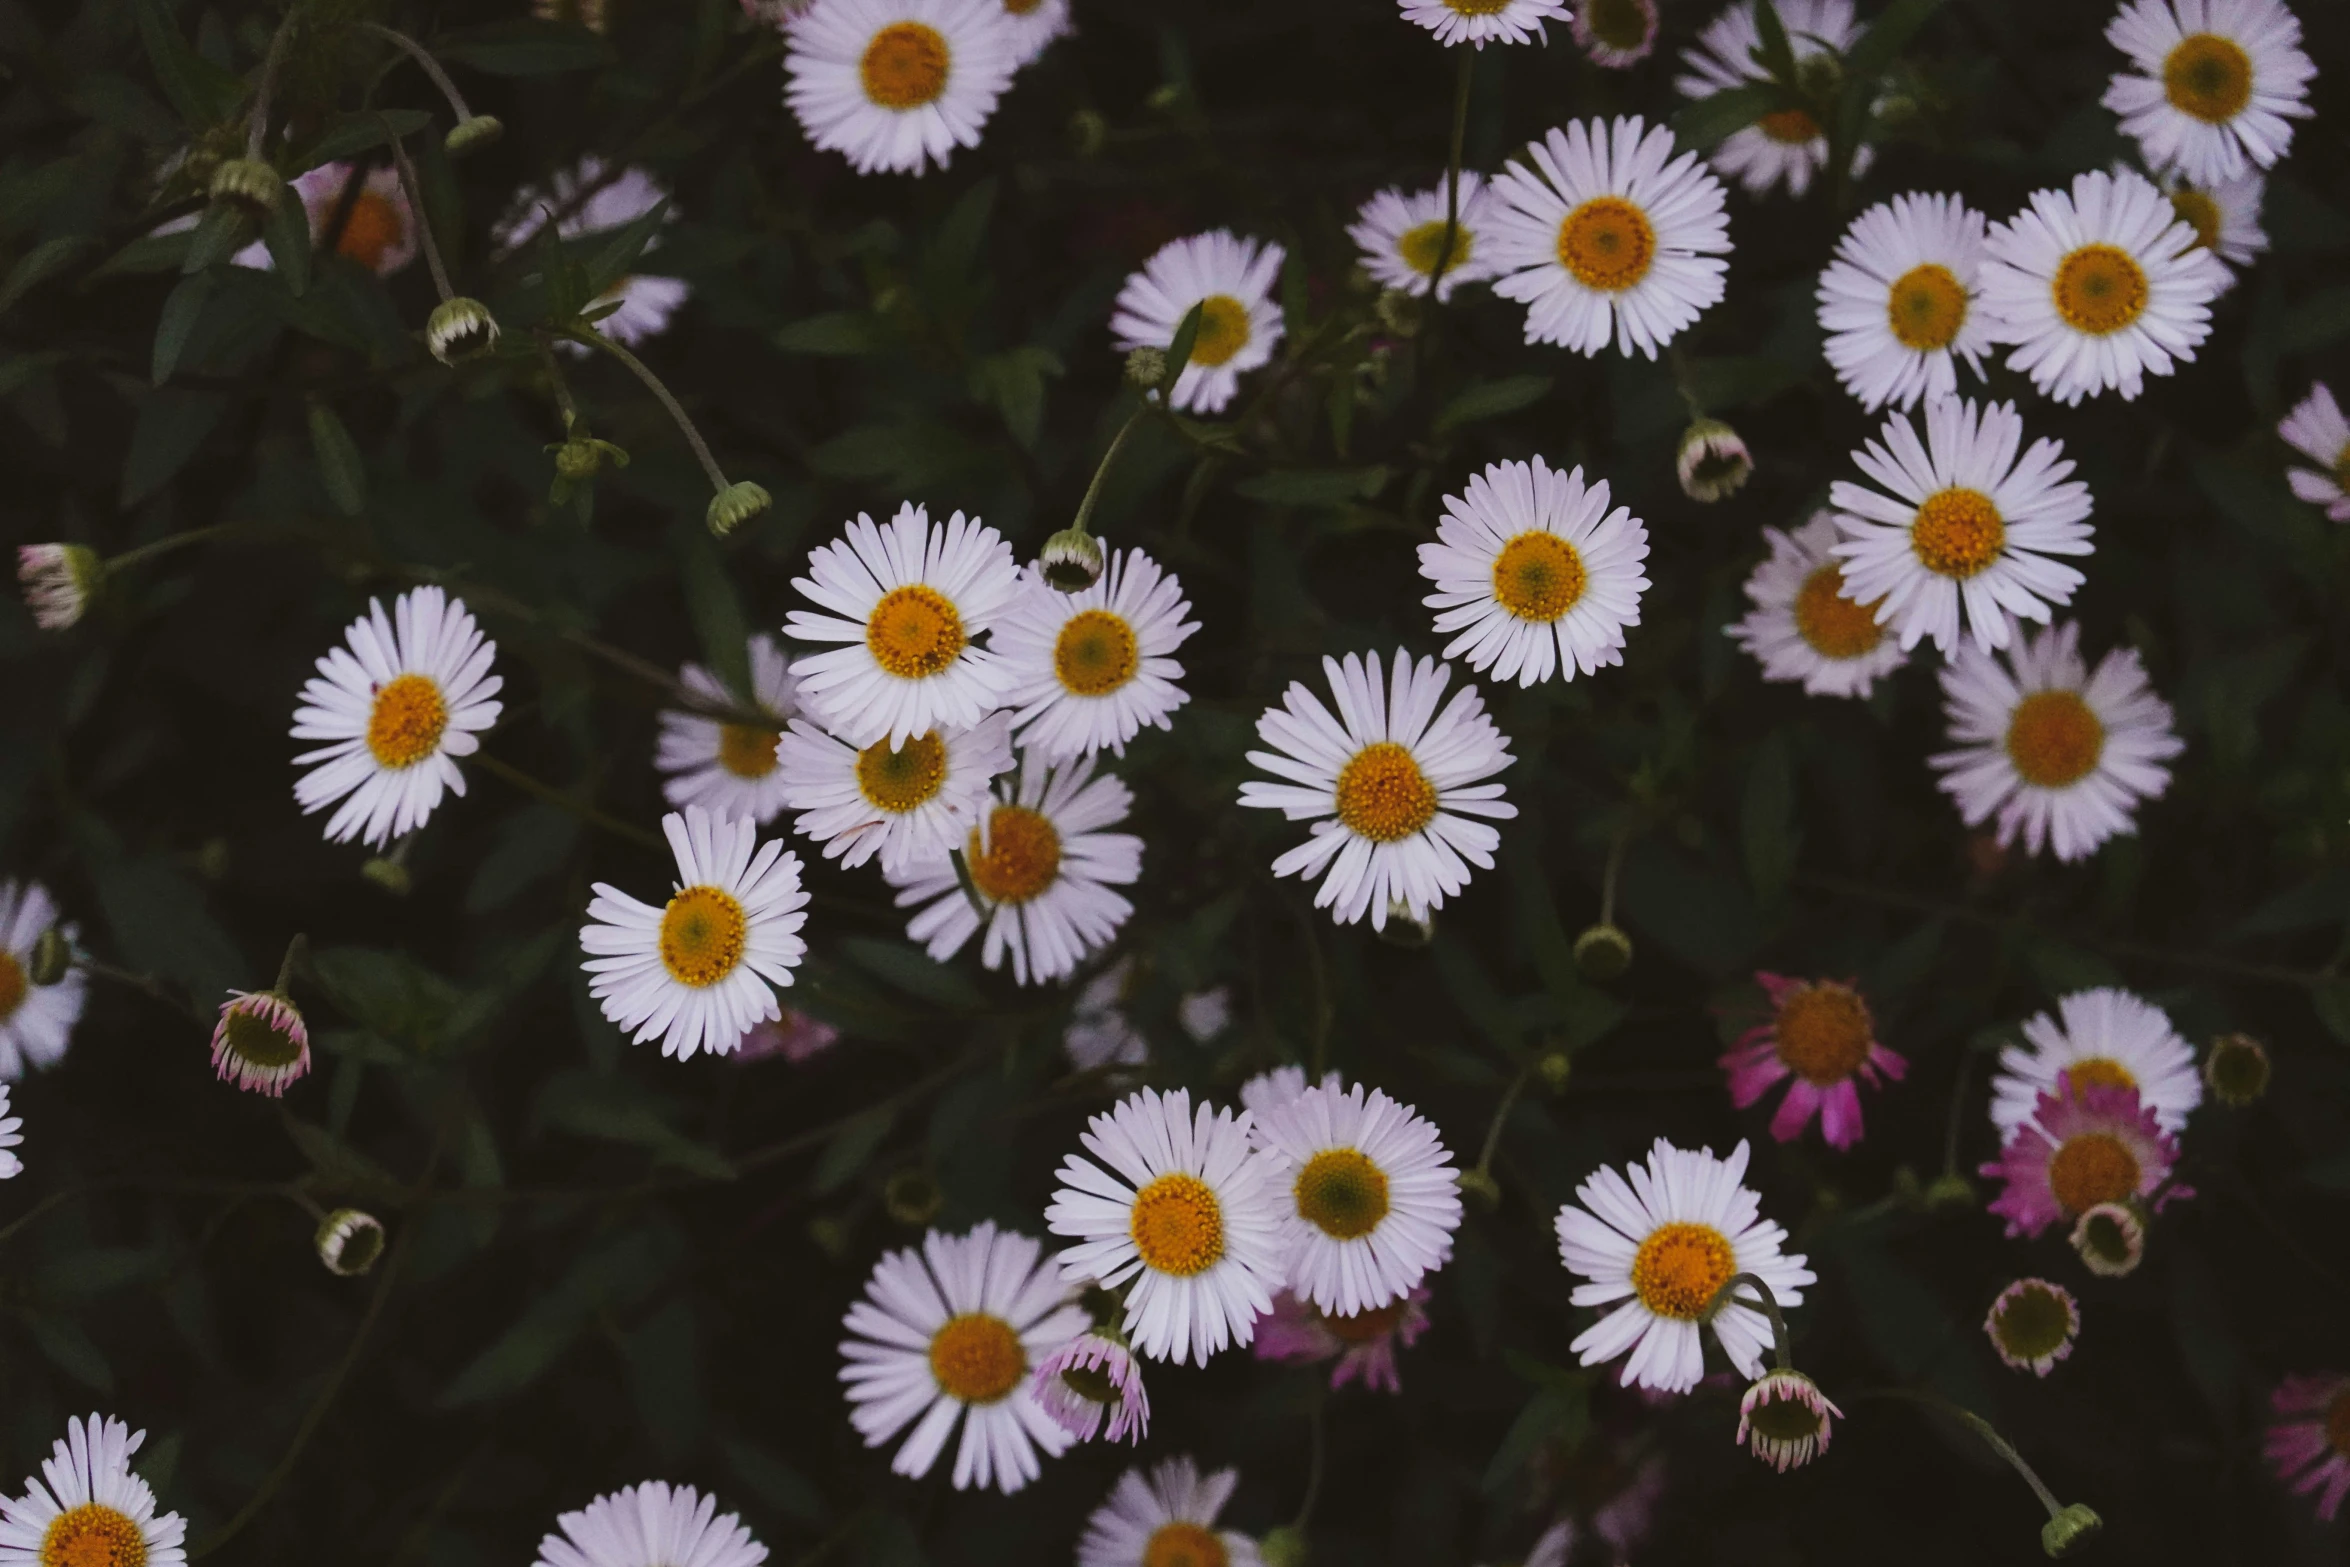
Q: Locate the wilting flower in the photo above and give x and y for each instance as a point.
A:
(2308, 1444)
(1785, 1419)
(1821, 1035)
(261, 1041)
(2033, 1324)
(1090, 1380)
(1364, 1345)
(2316, 429)
(2236, 1069)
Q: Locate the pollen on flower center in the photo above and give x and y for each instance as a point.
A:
(1925, 307)
(703, 932)
(1187, 1544)
(93, 1535)
(2098, 1072)
(1022, 7)
(899, 780)
(1824, 1033)
(1223, 330)
(747, 750)
(2209, 77)
(1958, 533)
(905, 66)
(1680, 1268)
(2092, 1168)
(1423, 243)
(374, 228)
(2054, 740)
(1096, 653)
(1789, 127)
(406, 724)
(1342, 1193)
(2200, 212)
(1366, 1327)
(1022, 856)
(1382, 795)
(1607, 244)
(1830, 624)
(1538, 576)
(14, 986)
(977, 1358)
(1177, 1225)
(2099, 289)
(914, 632)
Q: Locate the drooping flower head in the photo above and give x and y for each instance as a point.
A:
(1821, 1040)
(1165, 1516)
(1788, 146)
(1804, 627)
(2033, 1324)
(1363, 1345)
(86, 1506)
(895, 86)
(261, 1042)
(1093, 1381)
(730, 768)
(1785, 1420)
(59, 580)
(651, 1525)
(2212, 86)
(2316, 429)
(2308, 1442)
(1373, 1200)
(2105, 1037)
(1089, 670)
(1899, 303)
(36, 1021)
(1231, 280)
(349, 1242)
(1401, 236)
(2083, 1147)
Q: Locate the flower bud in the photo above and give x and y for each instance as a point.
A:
(459, 329)
(2074, 1526)
(831, 1235)
(1145, 367)
(261, 1042)
(1071, 560)
(1284, 1547)
(1786, 1420)
(583, 457)
(59, 581)
(1950, 1190)
(52, 957)
(1713, 463)
(1555, 1067)
(1088, 133)
(912, 1197)
(389, 874)
(2111, 1239)
(249, 185)
(1480, 1187)
(735, 505)
(2237, 1069)
(349, 1242)
(1602, 952)
(469, 134)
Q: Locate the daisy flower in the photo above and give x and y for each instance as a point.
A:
(1267, 1092)
(1785, 1420)
(592, 198)
(1480, 22)
(795, 1036)
(11, 1139)
(1091, 1380)
(1099, 1033)
(36, 1021)
(1664, 1243)
(907, 600)
(1605, 233)
(261, 1041)
(2316, 429)
(380, 233)
(651, 1525)
(2225, 216)
(2099, 1038)
(1535, 572)
(896, 86)
(2059, 754)
(1615, 33)
(408, 694)
(1165, 1516)
(700, 970)
(1787, 146)
(1231, 280)
(1803, 627)
(1402, 236)
(1088, 670)
(88, 1507)
(1373, 1199)
(1820, 1035)
(1968, 525)
(1180, 1205)
(950, 1333)
(2212, 85)
(911, 804)
(1043, 867)
(2082, 1147)
(727, 768)
(2308, 1444)
(1035, 24)
(2033, 1324)
(1388, 784)
(2098, 287)
(59, 580)
(1898, 302)
(1364, 1344)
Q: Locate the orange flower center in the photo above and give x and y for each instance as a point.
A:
(977, 1358)
(1096, 653)
(1680, 1268)
(1223, 330)
(905, 66)
(407, 722)
(1022, 856)
(2099, 289)
(1538, 576)
(1382, 795)
(374, 230)
(914, 632)
(1342, 1194)
(93, 1535)
(2098, 1072)
(14, 985)
(2209, 77)
(1789, 127)
(1187, 1544)
(703, 933)
(747, 750)
(1607, 244)
(2053, 739)
(1832, 625)
(900, 780)
(1925, 307)
(1366, 1327)
(1824, 1033)
(2338, 1423)
(2092, 1168)
(1958, 533)
(1177, 1225)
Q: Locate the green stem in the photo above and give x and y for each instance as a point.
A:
(257, 123)
(556, 797)
(564, 403)
(1768, 1306)
(1314, 1465)
(1452, 170)
(1982, 1428)
(1501, 1114)
(296, 950)
(638, 367)
(432, 67)
(147, 984)
(1680, 364)
(415, 192)
(1101, 473)
(1616, 849)
(157, 547)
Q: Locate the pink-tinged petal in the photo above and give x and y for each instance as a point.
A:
(1796, 1110)
(1840, 1115)
(1752, 1072)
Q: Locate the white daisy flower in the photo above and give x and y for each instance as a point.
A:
(1267, 1092)
(2316, 429)
(2225, 217)
(1898, 304)
(1043, 869)
(1182, 1206)
(1535, 573)
(911, 804)
(908, 599)
(2098, 287)
(1099, 1033)
(36, 1021)
(409, 694)
(700, 970)
(1035, 25)
(1231, 280)
(1165, 1516)
(1968, 524)
(612, 199)
(2102, 1038)
(1605, 233)
(2058, 754)
(951, 1333)
(1480, 22)
(726, 768)
(1087, 670)
(897, 85)
(1388, 784)
(11, 1139)
(1374, 1199)
(651, 1525)
(1664, 1243)
(87, 1507)
(1788, 146)
(1804, 627)
(1401, 235)
(2212, 85)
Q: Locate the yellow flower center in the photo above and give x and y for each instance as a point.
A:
(1022, 856)
(747, 750)
(1958, 533)
(1789, 127)
(898, 781)
(93, 1535)
(1022, 7)
(1607, 244)
(2098, 1072)
(1680, 1268)
(1832, 625)
(1187, 1544)
(703, 932)
(2099, 289)
(1383, 795)
(1178, 1226)
(1824, 1033)
(374, 229)
(406, 725)
(905, 66)
(2209, 77)
(1619, 24)
(14, 985)
(2053, 739)
(1538, 576)
(1223, 330)
(1366, 1327)
(1342, 1193)
(2092, 1168)
(1925, 307)
(1421, 245)
(1096, 653)
(977, 1358)
(2342, 469)
(2338, 1423)
(2199, 210)
(914, 632)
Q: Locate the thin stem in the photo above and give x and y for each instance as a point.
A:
(296, 951)
(415, 192)
(961, 860)
(432, 67)
(1093, 491)
(157, 547)
(1982, 1428)
(1501, 1114)
(146, 984)
(1314, 1464)
(257, 123)
(1768, 1306)
(1452, 169)
(1320, 1042)
(556, 797)
(564, 402)
(693, 437)
(1680, 364)
(1617, 846)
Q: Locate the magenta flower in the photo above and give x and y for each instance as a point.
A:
(1820, 1034)
(261, 1042)
(1090, 1379)
(2309, 1445)
(2097, 1144)
(1364, 1344)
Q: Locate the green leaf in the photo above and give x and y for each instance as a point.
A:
(1314, 486)
(1774, 53)
(1492, 399)
(610, 1109)
(525, 48)
(388, 992)
(851, 1147)
(160, 920)
(37, 265)
(182, 308)
(1887, 36)
(664, 1362)
(1179, 350)
(1012, 383)
(836, 333)
(149, 253)
(610, 1275)
(617, 257)
(97, 1271)
(1767, 819)
(719, 622)
(1707, 123)
(69, 1349)
(339, 463)
(202, 92)
(287, 233)
(220, 233)
(956, 249)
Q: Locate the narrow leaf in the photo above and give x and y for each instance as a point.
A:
(339, 463)
(37, 265)
(180, 313)
(203, 93)
(287, 233)
(1491, 399)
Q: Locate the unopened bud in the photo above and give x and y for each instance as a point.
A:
(2111, 1239)
(349, 1242)
(2236, 1069)
(469, 135)
(1088, 133)
(912, 1197)
(1950, 1190)
(460, 329)
(59, 580)
(1713, 461)
(583, 457)
(1145, 367)
(1071, 560)
(2074, 1526)
(1602, 952)
(1284, 1547)
(389, 874)
(249, 185)
(1555, 1067)
(1398, 312)
(735, 505)
(52, 957)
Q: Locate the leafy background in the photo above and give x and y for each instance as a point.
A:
(610, 1266)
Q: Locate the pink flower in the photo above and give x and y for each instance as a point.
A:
(1089, 1379)
(2309, 1445)
(795, 1036)
(2079, 1149)
(1786, 1420)
(1363, 1344)
(1820, 1034)
(261, 1042)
